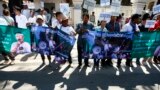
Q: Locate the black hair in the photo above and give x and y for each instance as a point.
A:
(6, 12)
(86, 14)
(145, 16)
(135, 16)
(58, 13)
(4, 6)
(17, 8)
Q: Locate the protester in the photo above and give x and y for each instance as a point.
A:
(81, 29)
(8, 18)
(130, 27)
(21, 20)
(41, 36)
(48, 16)
(142, 27)
(92, 18)
(25, 10)
(42, 13)
(112, 26)
(156, 58)
(157, 24)
(56, 22)
(32, 18)
(66, 28)
(100, 41)
(9, 22)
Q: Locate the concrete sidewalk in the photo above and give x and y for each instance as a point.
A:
(30, 74)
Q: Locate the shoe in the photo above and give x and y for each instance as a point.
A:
(6, 62)
(118, 66)
(79, 66)
(87, 65)
(12, 63)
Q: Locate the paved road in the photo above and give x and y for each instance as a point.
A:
(30, 74)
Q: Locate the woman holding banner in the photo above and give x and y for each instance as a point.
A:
(66, 28)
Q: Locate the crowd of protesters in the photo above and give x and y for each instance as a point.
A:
(42, 17)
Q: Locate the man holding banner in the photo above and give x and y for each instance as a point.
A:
(82, 29)
(131, 27)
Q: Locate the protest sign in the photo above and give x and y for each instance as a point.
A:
(115, 7)
(150, 24)
(105, 3)
(16, 40)
(144, 44)
(89, 4)
(64, 8)
(105, 16)
(156, 9)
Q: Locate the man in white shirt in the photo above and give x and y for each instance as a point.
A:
(130, 27)
(21, 20)
(56, 22)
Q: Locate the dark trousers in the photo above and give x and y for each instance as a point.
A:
(5, 55)
(70, 59)
(96, 62)
(156, 59)
(43, 57)
(79, 49)
(128, 62)
(109, 61)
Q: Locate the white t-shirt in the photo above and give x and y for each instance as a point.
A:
(3, 21)
(9, 20)
(21, 20)
(69, 30)
(32, 20)
(55, 22)
(128, 28)
(22, 48)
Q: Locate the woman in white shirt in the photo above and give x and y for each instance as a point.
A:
(68, 30)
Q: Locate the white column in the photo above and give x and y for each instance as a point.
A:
(77, 11)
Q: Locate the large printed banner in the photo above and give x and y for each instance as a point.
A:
(15, 40)
(64, 43)
(52, 42)
(108, 45)
(145, 44)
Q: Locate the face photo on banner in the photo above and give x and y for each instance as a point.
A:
(14, 40)
(150, 24)
(20, 46)
(64, 8)
(104, 3)
(89, 4)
